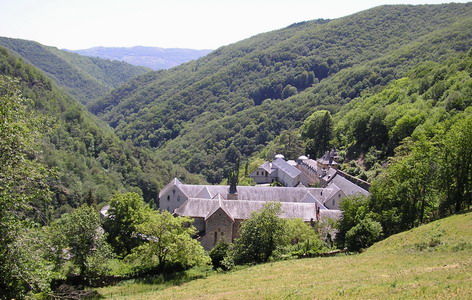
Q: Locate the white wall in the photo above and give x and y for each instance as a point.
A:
(172, 199)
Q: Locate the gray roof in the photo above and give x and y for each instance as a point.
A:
(330, 174)
(260, 193)
(242, 210)
(346, 186)
(204, 193)
(311, 163)
(267, 166)
(285, 167)
(331, 214)
(171, 184)
(217, 207)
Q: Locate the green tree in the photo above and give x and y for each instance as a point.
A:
(456, 166)
(317, 130)
(80, 232)
(260, 235)
(296, 231)
(354, 208)
(126, 212)
(168, 241)
(288, 91)
(407, 194)
(363, 235)
(23, 195)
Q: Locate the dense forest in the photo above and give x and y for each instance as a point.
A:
(85, 78)
(90, 161)
(247, 93)
(423, 124)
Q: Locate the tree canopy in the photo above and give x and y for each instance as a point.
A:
(168, 242)
(318, 131)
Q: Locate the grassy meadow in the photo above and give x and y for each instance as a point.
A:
(433, 261)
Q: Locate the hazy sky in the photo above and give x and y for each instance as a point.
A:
(198, 24)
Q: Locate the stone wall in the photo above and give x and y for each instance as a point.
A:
(199, 224)
(218, 227)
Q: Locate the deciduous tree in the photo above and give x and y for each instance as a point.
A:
(260, 235)
(317, 130)
(168, 240)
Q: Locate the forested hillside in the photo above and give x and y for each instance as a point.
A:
(247, 93)
(85, 78)
(91, 163)
(151, 57)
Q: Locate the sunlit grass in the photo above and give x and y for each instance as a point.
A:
(429, 262)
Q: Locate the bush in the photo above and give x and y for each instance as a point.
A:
(217, 254)
(308, 248)
(363, 234)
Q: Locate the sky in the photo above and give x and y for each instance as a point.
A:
(196, 24)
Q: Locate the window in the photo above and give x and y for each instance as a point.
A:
(178, 198)
(173, 192)
(257, 173)
(168, 197)
(334, 202)
(216, 238)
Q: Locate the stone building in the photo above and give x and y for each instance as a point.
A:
(278, 170)
(218, 214)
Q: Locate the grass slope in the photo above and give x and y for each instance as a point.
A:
(433, 261)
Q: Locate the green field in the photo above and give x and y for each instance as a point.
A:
(433, 261)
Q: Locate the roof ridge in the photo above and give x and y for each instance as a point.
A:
(221, 206)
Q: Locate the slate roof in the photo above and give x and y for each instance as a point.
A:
(285, 167)
(267, 166)
(330, 213)
(346, 186)
(311, 163)
(330, 174)
(217, 207)
(204, 193)
(260, 193)
(171, 184)
(242, 209)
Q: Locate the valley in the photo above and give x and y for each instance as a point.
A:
(231, 173)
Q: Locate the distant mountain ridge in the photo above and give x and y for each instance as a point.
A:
(85, 78)
(155, 58)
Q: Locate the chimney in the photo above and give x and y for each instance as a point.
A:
(233, 192)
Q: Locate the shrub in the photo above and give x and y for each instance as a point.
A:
(217, 254)
(363, 234)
